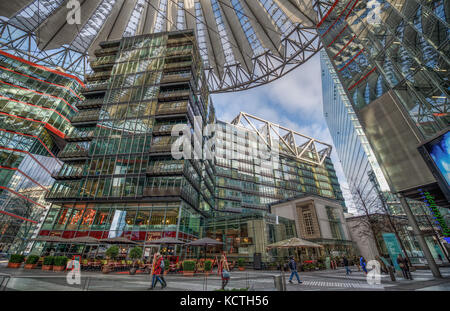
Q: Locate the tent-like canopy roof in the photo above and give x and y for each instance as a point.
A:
(243, 43)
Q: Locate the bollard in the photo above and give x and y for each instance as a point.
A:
(391, 273)
(278, 281)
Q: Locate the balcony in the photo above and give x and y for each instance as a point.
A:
(90, 103)
(95, 87)
(152, 171)
(179, 52)
(163, 129)
(72, 176)
(174, 95)
(107, 51)
(171, 111)
(160, 148)
(103, 62)
(100, 75)
(176, 77)
(86, 117)
(75, 137)
(73, 155)
(178, 65)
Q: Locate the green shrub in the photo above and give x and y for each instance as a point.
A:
(48, 261)
(32, 259)
(136, 252)
(189, 265)
(208, 265)
(112, 252)
(60, 261)
(241, 262)
(16, 258)
(166, 264)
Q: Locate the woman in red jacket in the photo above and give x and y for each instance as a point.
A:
(157, 272)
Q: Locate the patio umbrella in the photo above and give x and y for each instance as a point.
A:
(205, 242)
(294, 243)
(48, 238)
(118, 240)
(167, 240)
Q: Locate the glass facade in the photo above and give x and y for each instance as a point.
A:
(119, 178)
(36, 104)
(248, 183)
(393, 45)
(358, 159)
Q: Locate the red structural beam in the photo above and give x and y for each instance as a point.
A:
(353, 6)
(19, 217)
(22, 196)
(328, 13)
(350, 41)
(338, 35)
(362, 79)
(21, 172)
(39, 93)
(43, 67)
(340, 14)
(350, 61)
(23, 151)
(40, 80)
(40, 107)
(32, 136)
(46, 125)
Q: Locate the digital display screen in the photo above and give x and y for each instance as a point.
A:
(439, 150)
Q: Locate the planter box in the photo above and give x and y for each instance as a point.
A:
(188, 273)
(59, 268)
(30, 266)
(47, 267)
(14, 265)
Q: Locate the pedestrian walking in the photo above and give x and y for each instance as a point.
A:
(362, 263)
(347, 269)
(403, 264)
(157, 272)
(225, 271)
(293, 267)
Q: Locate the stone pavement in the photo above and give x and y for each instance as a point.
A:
(335, 280)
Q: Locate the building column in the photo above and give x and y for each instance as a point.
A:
(419, 235)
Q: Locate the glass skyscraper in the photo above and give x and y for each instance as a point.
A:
(391, 58)
(359, 162)
(36, 104)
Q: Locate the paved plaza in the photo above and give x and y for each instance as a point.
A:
(336, 280)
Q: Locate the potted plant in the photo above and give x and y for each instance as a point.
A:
(15, 261)
(208, 266)
(47, 265)
(60, 262)
(188, 267)
(31, 262)
(111, 253)
(166, 266)
(241, 264)
(135, 254)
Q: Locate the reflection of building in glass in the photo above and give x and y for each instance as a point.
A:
(251, 175)
(394, 71)
(36, 104)
(359, 162)
(119, 177)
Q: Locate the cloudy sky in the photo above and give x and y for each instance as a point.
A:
(294, 101)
